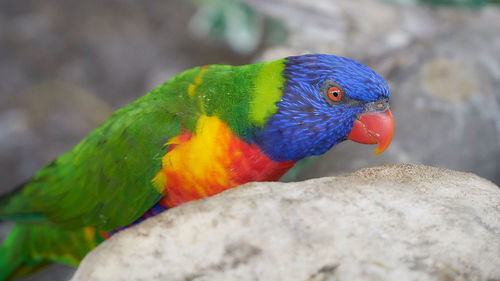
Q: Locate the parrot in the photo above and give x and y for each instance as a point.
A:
(203, 131)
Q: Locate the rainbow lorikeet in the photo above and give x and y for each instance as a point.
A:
(205, 130)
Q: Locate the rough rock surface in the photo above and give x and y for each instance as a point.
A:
(401, 222)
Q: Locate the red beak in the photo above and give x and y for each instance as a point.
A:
(374, 127)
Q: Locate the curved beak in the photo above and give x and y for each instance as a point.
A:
(372, 128)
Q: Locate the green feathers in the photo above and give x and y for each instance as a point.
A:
(30, 247)
(267, 92)
(245, 98)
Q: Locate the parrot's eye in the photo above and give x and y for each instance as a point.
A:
(332, 92)
(335, 94)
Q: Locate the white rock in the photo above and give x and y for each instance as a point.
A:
(401, 222)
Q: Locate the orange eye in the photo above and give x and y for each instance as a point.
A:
(334, 94)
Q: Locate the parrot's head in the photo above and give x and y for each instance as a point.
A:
(327, 99)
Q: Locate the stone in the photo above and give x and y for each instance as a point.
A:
(398, 222)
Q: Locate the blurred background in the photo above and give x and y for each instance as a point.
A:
(66, 65)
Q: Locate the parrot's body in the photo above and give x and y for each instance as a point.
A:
(206, 130)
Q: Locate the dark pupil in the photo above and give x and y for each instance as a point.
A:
(335, 94)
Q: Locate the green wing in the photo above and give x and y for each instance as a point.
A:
(105, 180)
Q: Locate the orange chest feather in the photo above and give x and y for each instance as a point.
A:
(211, 160)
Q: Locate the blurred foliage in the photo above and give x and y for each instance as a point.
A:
(236, 24)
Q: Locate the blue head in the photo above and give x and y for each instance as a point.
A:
(322, 97)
